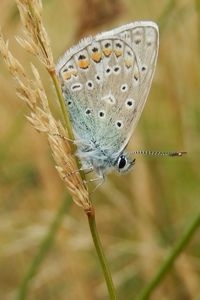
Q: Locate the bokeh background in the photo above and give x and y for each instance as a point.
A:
(140, 215)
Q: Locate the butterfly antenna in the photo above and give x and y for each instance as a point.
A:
(158, 153)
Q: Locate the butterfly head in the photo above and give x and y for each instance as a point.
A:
(124, 163)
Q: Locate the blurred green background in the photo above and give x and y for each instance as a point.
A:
(140, 215)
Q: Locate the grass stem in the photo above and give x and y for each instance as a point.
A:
(62, 105)
(43, 249)
(164, 269)
(101, 255)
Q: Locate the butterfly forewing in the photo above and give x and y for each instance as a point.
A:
(106, 80)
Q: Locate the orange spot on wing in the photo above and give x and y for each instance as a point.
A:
(107, 52)
(136, 76)
(96, 56)
(67, 75)
(129, 62)
(118, 52)
(83, 64)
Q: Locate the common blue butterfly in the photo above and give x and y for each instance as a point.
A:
(105, 81)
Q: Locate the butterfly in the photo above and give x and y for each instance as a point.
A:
(105, 81)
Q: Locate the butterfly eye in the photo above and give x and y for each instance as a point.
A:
(122, 162)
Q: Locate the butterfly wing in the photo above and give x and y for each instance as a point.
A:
(106, 81)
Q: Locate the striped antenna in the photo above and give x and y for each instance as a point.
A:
(158, 153)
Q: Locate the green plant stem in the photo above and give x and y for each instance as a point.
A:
(43, 248)
(178, 248)
(101, 255)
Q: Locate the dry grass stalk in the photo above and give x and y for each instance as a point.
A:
(36, 39)
(32, 92)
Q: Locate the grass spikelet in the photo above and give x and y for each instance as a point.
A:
(36, 39)
(32, 92)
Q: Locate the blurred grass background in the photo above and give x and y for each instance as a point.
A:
(140, 215)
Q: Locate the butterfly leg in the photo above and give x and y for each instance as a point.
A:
(101, 178)
(75, 142)
(85, 170)
(64, 138)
